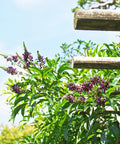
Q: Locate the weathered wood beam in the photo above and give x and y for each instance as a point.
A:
(96, 62)
(97, 19)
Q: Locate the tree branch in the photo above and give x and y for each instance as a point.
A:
(104, 3)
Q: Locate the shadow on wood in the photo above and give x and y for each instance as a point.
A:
(97, 19)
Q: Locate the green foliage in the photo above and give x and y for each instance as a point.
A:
(62, 114)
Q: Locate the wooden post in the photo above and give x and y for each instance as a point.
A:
(96, 62)
(97, 19)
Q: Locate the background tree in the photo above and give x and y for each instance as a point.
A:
(14, 134)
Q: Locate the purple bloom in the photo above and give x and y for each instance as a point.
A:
(17, 89)
(28, 59)
(11, 70)
(87, 86)
(72, 86)
(41, 60)
(70, 98)
(79, 89)
(15, 58)
(95, 80)
(20, 73)
(90, 85)
(27, 64)
(100, 101)
(104, 84)
(9, 59)
(83, 99)
(27, 56)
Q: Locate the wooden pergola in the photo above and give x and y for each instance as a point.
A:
(96, 62)
(96, 19)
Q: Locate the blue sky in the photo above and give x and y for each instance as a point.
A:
(43, 25)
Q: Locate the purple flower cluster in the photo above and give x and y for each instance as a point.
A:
(12, 59)
(74, 87)
(11, 70)
(100, 101)
(15, 58)
(95, 84)
(9, 59)
(87, 86)
(27, 58)
(23, 62)
(82, 99)
(17, 89)
(104, 85)
(41, 61)
(95, 80)
(70, 98)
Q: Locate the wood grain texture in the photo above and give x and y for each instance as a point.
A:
(96, 62)
(97, 19)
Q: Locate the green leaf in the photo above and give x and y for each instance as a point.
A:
(33, 97)
(48, 62)
(99, 54)
(78, 51)
(50, 100)
(66, 105)
(37, 70)
(17, 109)
(110, 90)
(116, 131)
(41, 100)
(23, 110)
(58, 59)
(36, 96)
(95, 51)
(19, 99)
(11, 81)
(35, 75)
(65, 73)
(27, 138)
(103, 54)
(32, 108)
(63, 68)
(116, 80)
(51, 76)
(66, 133)
(113, 105)
(89, 137)
(46, 70)
(104, 139)
(63, 119)
(58, 107)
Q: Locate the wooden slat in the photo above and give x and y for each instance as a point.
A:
(96, 62)
(97, 19)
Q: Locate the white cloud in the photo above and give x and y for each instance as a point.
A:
(27, 3)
